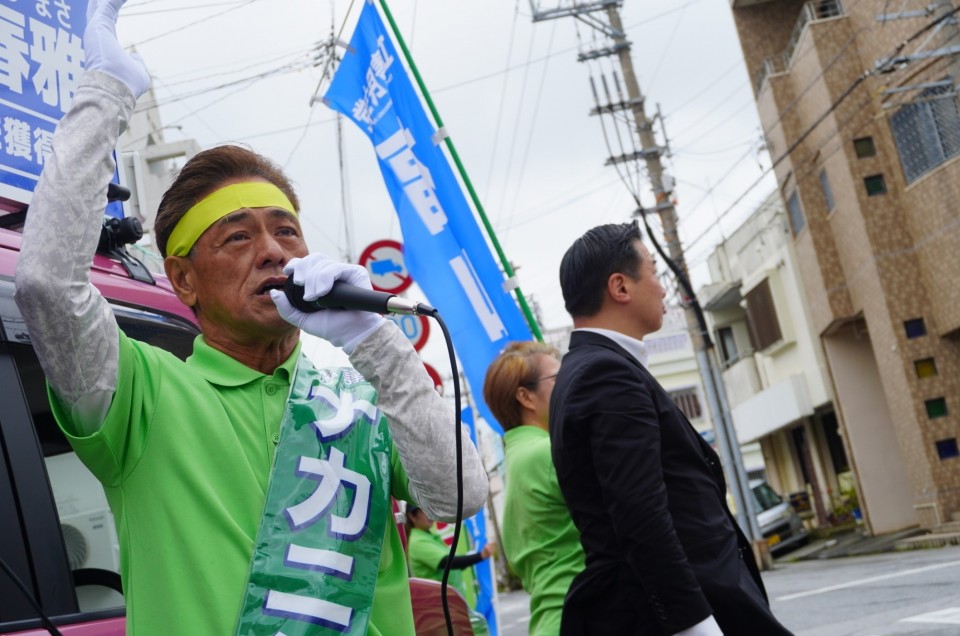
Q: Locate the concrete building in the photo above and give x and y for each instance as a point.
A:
(861, 118)
(774, 370)
(148, 167)
(673, 362)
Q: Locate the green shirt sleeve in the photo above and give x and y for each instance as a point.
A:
(113, 451)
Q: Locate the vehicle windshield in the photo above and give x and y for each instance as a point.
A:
(765, 497)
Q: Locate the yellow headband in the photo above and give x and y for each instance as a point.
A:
(226, 200)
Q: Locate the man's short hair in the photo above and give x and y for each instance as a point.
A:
(516, 366)
(591, 260)
(204, 173)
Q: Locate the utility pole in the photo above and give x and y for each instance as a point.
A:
(650, 153)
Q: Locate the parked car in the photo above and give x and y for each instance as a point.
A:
(779, 522)
(59, 558)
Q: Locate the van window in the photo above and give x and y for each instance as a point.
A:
(86, 522)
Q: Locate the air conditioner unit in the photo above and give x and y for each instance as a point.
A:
(91, 540)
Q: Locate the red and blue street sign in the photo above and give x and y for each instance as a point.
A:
(388, 271)
(415, 328)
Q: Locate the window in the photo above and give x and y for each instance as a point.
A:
(947, 448)
(795, 213)
(76, 527)
(864, 147)
(937, 407)
(762, 317)
(728, 346)
(875, 185)
(687, 401)
(827, 191)
(927, 131)
(915, 328)
(926, 368)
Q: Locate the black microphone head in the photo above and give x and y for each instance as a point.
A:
(294, 294)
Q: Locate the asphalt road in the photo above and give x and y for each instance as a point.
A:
(914, 593)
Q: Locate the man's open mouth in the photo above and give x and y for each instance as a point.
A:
(266, 287)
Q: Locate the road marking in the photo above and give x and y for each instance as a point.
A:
(949, 616)
(872, 579)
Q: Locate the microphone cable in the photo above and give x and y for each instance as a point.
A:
(458, 434)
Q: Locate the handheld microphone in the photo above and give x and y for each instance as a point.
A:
(346, 296)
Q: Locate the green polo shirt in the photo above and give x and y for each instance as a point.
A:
(539, 538)
(184, 457)
(426, 549)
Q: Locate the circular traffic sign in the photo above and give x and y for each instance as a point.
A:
(388, 271)
(415, 328)
(437, 382)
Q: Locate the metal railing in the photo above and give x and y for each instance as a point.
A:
(813, 11)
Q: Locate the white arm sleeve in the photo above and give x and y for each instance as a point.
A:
(421, 424)
(72, 327)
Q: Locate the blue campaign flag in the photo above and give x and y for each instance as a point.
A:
(445, 251)
(482, 571)
(41, 61)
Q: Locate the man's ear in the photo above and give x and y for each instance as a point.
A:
(617, 288)
(179, 270)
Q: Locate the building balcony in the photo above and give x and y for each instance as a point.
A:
(772, 409)
(741, 380)
(810, 12)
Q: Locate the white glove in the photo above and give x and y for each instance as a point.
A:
(339, 327)
(103, 50)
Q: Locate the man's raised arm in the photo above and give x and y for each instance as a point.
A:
(71, 325)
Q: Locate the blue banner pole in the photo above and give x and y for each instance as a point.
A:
(444, 248)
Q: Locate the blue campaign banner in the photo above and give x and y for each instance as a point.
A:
(41, 61)
(477, 527)
(445, 252)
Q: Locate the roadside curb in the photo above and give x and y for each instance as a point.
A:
(854, 543)
(926, 541)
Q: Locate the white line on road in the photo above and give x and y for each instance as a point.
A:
(948, 616)
(872, 579)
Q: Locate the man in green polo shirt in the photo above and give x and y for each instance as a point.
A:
(246, 443)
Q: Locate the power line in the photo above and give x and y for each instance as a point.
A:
(665, 48)
(513, 140)
(194, 23)
(531, 128)
(736, 65)
(510, 69)
(136, 14)
(503, 99)
(836, 103)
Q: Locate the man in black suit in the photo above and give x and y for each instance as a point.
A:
(664, 556)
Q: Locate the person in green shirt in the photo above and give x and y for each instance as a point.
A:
(188, 451)
(539, 539)
(428, 554)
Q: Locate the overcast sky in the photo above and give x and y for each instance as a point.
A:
(512, 95)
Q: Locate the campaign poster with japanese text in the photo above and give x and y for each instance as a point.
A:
(444, 249)
(41, 61)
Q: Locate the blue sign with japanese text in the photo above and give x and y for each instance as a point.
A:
(41, 60)
(444, 250)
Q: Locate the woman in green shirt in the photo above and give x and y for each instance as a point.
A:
(428, 553)
(539, 539)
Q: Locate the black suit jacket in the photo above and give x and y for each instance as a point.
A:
(647, 493)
